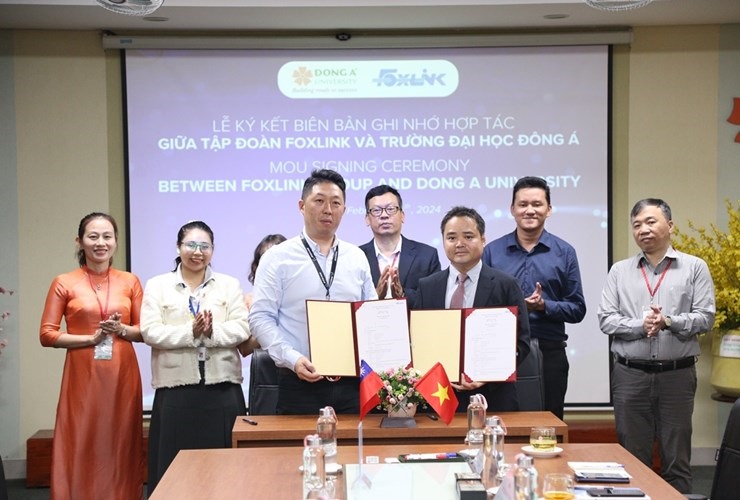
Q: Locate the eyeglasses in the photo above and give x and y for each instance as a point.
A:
(195, 245)
(378, 211)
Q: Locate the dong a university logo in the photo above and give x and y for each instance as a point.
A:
(368, 79)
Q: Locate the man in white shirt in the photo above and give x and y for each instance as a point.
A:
(313, 265)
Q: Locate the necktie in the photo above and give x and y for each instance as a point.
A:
(458, 296)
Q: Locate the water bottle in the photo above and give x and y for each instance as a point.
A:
(499, 432)
(489, 469)
(314, 467)
(326, 428)
(476, 418)
(474, 453)
(525, 479)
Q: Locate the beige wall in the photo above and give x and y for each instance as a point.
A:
(69, 150)
(672, 151)
(68, 119)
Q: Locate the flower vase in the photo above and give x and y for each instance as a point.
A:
(725, 376)
(402, 410)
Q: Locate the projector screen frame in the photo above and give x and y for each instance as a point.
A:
(341, 45)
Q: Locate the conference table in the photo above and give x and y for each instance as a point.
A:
(289, 430)
(273, 472)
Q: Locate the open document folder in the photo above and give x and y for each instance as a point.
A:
(481, 342)
(340, 334)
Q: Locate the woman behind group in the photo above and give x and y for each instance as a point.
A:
(193, 318)
(267, 242)
(97, 447)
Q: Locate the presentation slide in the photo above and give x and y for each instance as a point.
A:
(229, 136)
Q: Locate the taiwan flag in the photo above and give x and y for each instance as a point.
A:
(436, 389)
(370, 384)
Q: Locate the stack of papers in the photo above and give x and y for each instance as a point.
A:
(599, 472)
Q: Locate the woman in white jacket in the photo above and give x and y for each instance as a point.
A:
(193, 319)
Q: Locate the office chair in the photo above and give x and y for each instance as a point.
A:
(726, 482)
(263, 384)
(3, 485)
(530, 386)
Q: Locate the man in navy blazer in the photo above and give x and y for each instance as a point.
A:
(463, 233)
(396, 262)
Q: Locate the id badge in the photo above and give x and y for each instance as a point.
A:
(201, 353)
(646, 311)
(104, 350)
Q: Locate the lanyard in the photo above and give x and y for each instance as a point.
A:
(103, 310)
(662, 275)
(194, 309)
(327, 284)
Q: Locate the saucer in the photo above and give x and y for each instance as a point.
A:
(330, 468)
(532, 452)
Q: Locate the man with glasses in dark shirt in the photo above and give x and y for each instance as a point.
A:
(396, 262)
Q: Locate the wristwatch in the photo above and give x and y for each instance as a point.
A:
(668, 321)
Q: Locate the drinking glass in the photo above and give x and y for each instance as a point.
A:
(558, 486)
(543, 438)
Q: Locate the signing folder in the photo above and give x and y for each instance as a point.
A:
(340, 334)
(479, 342)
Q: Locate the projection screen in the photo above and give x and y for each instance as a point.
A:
(228, 137)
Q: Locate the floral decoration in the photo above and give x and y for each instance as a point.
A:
(398, 388)
(721, 251)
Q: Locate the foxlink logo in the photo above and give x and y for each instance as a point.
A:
(372, 79)
(392, 78)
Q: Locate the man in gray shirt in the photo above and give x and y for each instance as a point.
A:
(653, 305)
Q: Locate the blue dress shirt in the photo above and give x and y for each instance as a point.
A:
(552, 263)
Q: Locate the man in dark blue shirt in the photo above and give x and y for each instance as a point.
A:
(548, 273)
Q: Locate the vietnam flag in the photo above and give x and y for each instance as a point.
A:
(436, 389)
(370, 384)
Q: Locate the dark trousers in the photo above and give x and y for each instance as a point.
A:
(501, 396)
(656, 406)
(555, 369)
(298, 397)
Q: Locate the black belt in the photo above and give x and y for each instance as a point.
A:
(657, 366)
(551, 345)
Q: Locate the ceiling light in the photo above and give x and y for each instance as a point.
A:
(617, 5)
(131, 7)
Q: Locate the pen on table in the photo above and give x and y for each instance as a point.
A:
(432, 416)
(430, 456)
(249, 421)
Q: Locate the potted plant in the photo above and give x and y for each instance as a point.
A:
(721, 251)
(398, 395)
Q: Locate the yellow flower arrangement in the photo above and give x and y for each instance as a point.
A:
(721, 251)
